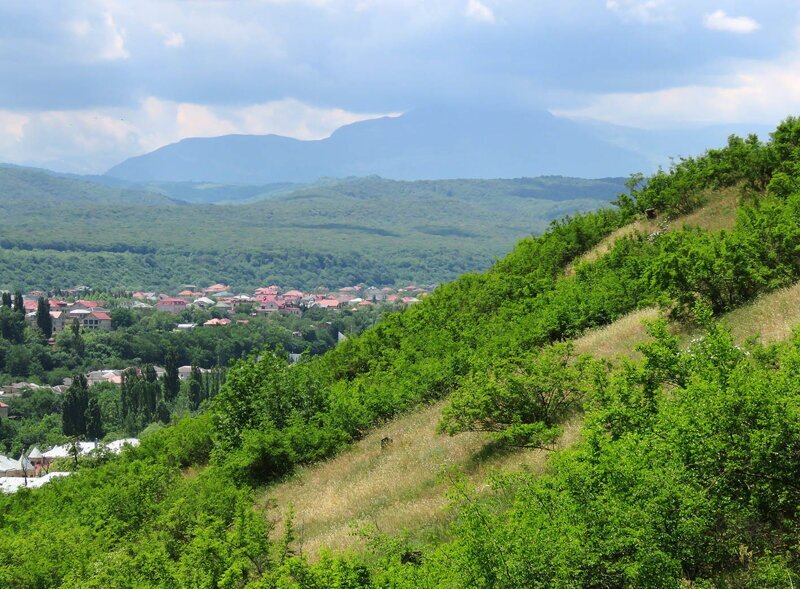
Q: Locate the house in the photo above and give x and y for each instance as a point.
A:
(185, 372)
(269, 290)
(216, 288)
(287, 310)
(110, 376)
(203, 302)
(97, 320)
(268, 306)
(171, 305)
(212, 322)
(328, 304)
(84, 304)
(3, 410)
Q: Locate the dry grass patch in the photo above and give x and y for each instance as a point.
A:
(772, 316)
(618, 338)
(399, 488)
(718, 213)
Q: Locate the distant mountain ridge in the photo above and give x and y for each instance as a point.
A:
(428, 143)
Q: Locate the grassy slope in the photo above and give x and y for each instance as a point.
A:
(405, 487)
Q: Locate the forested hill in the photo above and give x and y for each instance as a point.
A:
(61, 232)
(684, 475)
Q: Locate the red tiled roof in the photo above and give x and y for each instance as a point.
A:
(102, 316)
(88, 304)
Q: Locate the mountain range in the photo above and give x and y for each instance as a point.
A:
(425, 143)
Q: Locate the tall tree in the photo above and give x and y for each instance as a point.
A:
(7, 300)
(74, 405)
(19, 304)
(172, 383)
(77, 339)
(94, 420)
(43, 319)
(195, 387)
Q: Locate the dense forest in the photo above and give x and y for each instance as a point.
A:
(59, 232)
(684, 475)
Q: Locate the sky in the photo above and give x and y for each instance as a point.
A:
(86, 84)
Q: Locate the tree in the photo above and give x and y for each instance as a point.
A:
(522, 400)
(7, 300)
(43, 319)
(195, 388)
(74, 406)
(77, 340)
(19, 305)
(172, 383)
(94, 420)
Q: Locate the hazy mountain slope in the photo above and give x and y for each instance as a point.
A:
(424, 143)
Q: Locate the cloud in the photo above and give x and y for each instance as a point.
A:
(759, 93)
(645, 11)
(169, 38)
(476, 10)
(720, 21)
(90, 141)
(114, 40)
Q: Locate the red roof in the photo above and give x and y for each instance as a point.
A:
(293, 293)
(102, 316)
(30, 305)
(171, 301)
(88, 304)
(3, 404)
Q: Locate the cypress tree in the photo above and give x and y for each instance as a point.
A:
(73, 407)
(172, 383)
(94, 420)
(7, 300)
(19, 304)
(43, 319)
(195, 388)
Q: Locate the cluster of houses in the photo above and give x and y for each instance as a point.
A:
(271, 299)
(32, 469)
(89, 314)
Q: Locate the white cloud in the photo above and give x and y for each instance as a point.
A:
(719, 20)
(759, 93)
(476, 10)
(93, 140)
(169, 38)
(645, 11)
(114, 40)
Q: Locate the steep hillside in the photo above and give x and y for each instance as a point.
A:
(60, 232)
(405, 487)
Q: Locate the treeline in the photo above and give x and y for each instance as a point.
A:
(667, 488)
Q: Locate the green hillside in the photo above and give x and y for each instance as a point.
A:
(59, 232)
(683, 473)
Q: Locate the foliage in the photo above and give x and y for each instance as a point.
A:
(335, 233)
